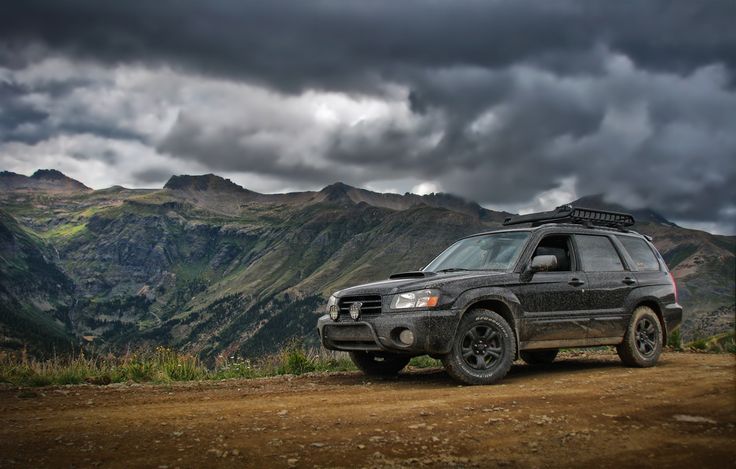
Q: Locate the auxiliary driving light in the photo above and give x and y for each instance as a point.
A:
(407, 337)
(334, 312)
(355, 310)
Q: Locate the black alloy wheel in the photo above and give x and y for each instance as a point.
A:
(483, 349)
(643, 340)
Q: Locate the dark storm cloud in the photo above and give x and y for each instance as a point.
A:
(18, 120)
(507, 98)
(293, 44)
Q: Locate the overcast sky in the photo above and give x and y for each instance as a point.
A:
(518, 105)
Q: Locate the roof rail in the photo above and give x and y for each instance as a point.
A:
(570, 214)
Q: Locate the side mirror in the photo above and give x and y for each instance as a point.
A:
(543, 263)
(538, 264)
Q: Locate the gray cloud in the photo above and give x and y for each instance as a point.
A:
(495, 101)
(17, 118)
(336, 44)
(229, 148)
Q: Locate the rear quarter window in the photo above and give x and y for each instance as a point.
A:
(640, 252)
(597, 254)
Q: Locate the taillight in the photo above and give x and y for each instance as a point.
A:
(674, 285)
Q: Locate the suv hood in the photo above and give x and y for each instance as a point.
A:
(408, 281)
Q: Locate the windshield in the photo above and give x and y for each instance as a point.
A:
(496, 251)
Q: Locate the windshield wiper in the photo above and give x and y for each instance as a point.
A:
(456, 269)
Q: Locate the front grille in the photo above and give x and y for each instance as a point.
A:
(371, 305)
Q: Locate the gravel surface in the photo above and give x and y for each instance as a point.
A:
(584, 410)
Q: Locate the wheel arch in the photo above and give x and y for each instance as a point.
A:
(653, 304)
(500, 306)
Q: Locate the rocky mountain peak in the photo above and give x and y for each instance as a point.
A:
(205, 182)
(50, 180)
(337, 192)
(52, 174)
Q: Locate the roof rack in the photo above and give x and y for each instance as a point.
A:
(569, 214)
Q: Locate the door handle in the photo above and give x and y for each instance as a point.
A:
(576, 282)
(629, 281)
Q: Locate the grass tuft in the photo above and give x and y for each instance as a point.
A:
(425, 361)
(162, 365)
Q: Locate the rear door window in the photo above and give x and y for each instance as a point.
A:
(640, 252)
(597, 254)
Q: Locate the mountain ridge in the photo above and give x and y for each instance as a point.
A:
(212, 269)
(337, 192)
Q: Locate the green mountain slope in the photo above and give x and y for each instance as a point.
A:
(207, 266)
(35, 295)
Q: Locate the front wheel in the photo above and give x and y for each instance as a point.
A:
(642, 343)
(379, 364)
(483, 348)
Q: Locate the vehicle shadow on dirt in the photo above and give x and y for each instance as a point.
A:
(518, 373)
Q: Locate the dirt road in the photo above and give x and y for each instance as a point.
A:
(585, 410)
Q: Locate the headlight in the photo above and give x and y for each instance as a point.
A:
(416, 299)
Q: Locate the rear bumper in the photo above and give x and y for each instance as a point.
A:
(433, 332)
(672, 315)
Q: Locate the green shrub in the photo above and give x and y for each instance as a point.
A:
(295, 360)
(177, 367)
(138, 370)
(699, 344)
(717, 344)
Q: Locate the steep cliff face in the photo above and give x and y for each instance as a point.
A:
(208, 266)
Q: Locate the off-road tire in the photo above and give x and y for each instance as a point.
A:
(483, 348)
(379, 364)
(643, 340)
(539, 357)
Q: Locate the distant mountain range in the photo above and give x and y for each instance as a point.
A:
(210, 267)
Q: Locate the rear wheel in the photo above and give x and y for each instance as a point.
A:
(483, 348)
(642, 343)
(379, 364)
(539, 357)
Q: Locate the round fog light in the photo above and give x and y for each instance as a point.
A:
(407, 337)
(334, 312)
(355, 310)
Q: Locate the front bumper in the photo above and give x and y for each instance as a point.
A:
(433, 331)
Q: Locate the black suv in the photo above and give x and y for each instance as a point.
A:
(576, 278)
